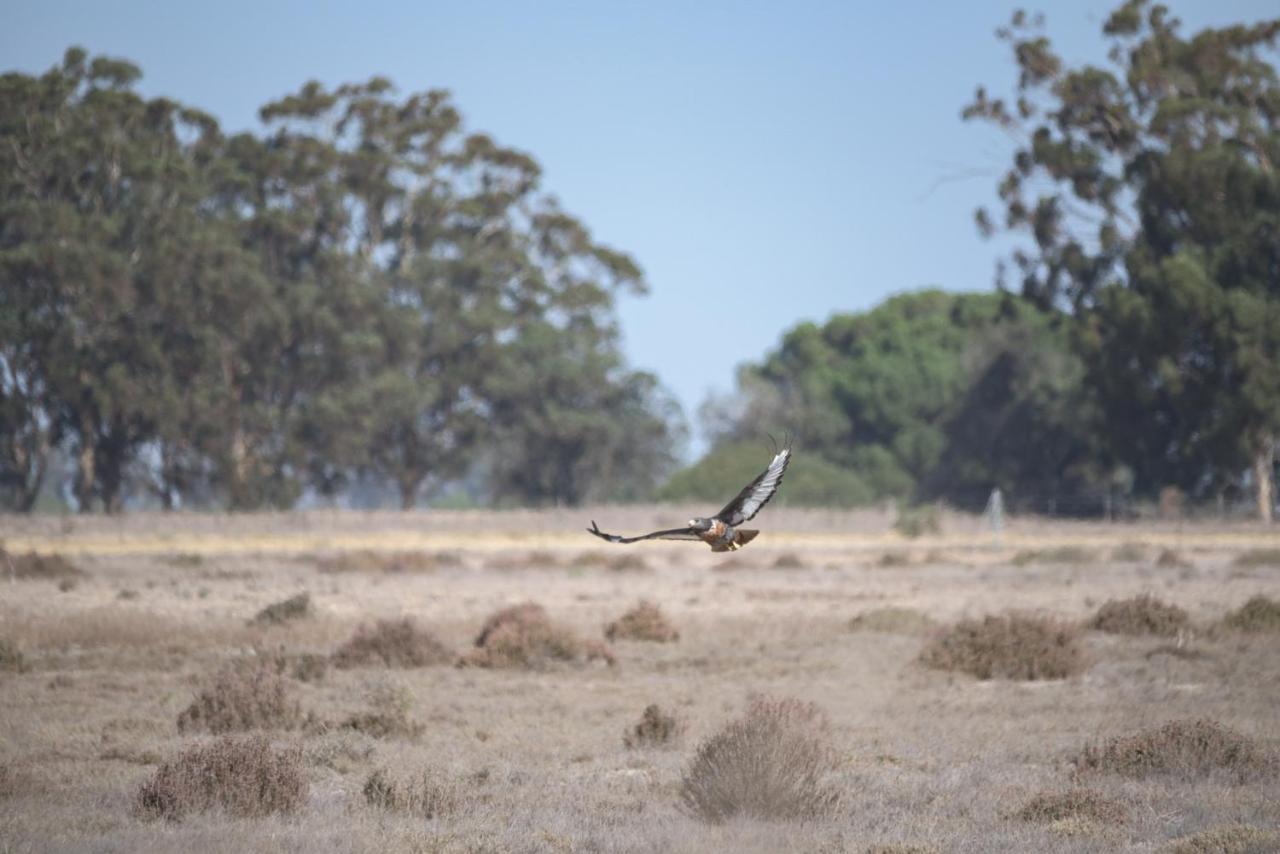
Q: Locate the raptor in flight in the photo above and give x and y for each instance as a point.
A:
(721, 531)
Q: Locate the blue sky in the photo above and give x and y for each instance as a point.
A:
(766, 163)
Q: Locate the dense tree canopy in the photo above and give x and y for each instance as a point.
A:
(364, 290)
(1149, 192)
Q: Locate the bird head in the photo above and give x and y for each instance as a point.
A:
(700, 524)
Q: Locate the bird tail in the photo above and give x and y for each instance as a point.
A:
(740, 539)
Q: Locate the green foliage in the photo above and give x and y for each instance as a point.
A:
(810, 480)
(1148, 192)
(365, 291)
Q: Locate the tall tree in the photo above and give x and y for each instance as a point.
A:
(1150, 194)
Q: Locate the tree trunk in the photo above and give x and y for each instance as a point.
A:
(1263, 462)
(408, 485)
(86, 473)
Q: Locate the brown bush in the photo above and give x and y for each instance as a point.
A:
(1169, 559)
(1060, 554)
(644, 622)
(392, 643)
(1257, 557)
(1259, 614)
(36, 567)
(891, 560)
(428, 795)
(244, 776)
(1129, 553)
(773, 763)
(1140, 615)
(655, 729)
(892, 620)
(1083, 804)
(524, 560)
(1186, 749)
(1232, 839)
(277, 613)
(11, 658)
(308, 667)
(628, 562)
(387, 562)
(1014, 646)
(388, 715)
(789, 560)
(524, 636)
(243, 697)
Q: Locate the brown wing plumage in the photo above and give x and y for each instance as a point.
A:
(757, 493)
(670, 534)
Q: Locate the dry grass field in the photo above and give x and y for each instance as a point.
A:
(166, 685)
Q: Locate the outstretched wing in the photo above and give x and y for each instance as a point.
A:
(672, 534)
(757, 493)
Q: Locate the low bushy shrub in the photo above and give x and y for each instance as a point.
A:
(1013, 646)
(246, 777)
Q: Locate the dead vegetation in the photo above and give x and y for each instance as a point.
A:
(11, 658)
(893, 621)
(392, 643)
(773, 763)
(389, 563)
(1012, 646)
(428, 794)
(1058, 554)
(656, 728)
(387, 715)
(243, 697)
(1140, 615)
(1078, 804)
(524, 636)
(246, 777)
(1129, 553)
(1257, 558)
(1170, 559)
(33, 566)
(1260, 614)
(788, 560)
(278, 613)
(1229, 839)
(1184, 749)
(644, 622)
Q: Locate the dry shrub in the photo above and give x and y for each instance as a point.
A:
(392, 643)
(656, 728)
(524, 560)
(1232, 839)
(644, 622)
(11, 658)
(889, 560)
(278, 613)
(917, 521)
(1169, 559)
(1259, 614)
(524, 636)
(1186, 749)
(428, 795)
(773, 763)
(1013, 646)
(1140, 615)
(1080, 804)
(37, 567)
(243, 776)
(1061, 554)
(789, 560)
(893, 621)
(387, 562)
(628, 563)
(388, 715)
(244, 697)
(1257, 557)
(308, 667)
(1129, 553)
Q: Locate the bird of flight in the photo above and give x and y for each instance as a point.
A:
(721, 531)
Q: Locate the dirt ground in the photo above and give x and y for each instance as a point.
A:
(928, 760)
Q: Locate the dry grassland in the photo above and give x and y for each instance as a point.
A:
(168, 686)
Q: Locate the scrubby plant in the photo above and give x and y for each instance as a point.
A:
(392, 643)
(914, 522)
(644, 622)
(1129, 553)
(388, 562)
(11, 658)
(892, 620)
(1170, 559)
(1085, 804)
(1257, 557)
(37, 567)
(1012, 646)
(277, 613)
(246, 777)
(1140, 615)
(387, 715)
(1060, 554)
(243, 697)
(1231, 839)
(1186, 749)
(1259, 614)
(525, 636)
(788, 560)
(308, 667)
(773, 763)
(428, 794)
(656, 728)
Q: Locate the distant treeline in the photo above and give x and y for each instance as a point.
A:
(1143, 353)
(364, 292)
